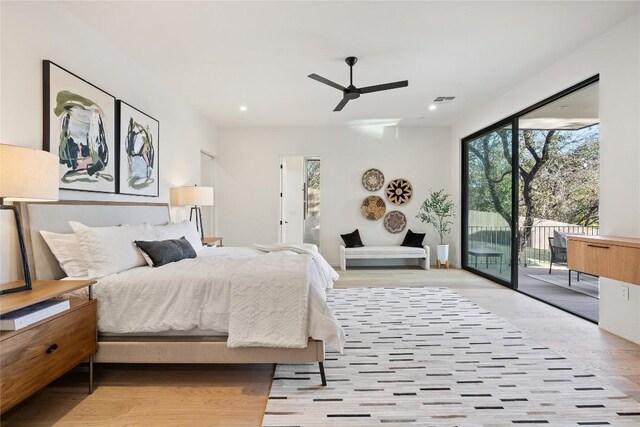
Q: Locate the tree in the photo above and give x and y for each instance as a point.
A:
(492, 170)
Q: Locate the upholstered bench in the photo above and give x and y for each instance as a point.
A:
(385, 252)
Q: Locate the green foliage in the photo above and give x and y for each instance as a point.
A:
(313, 174)
(437, 209)
(566, 188)
(490, 173)
(558, 175)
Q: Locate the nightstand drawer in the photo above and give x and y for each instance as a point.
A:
(32, 359)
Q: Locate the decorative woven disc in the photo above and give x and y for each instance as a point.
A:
(399, 191)
(373, 208)
(372, 180)
(395, 222)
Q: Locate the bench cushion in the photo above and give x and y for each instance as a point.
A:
(385, 251)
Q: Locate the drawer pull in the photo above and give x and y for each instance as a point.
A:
(52, 348)
(597, 246)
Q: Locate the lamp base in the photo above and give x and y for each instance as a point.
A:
(25, 287)
(198, 212)
(23, 252)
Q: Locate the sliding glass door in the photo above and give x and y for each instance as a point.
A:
(489, 214)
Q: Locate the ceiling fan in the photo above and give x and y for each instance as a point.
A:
(351, 92)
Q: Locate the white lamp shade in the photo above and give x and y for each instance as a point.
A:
(27, 174)
(192, 196)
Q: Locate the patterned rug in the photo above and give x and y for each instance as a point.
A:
(430, 357)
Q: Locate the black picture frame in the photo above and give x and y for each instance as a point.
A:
(125, 112)
(76, 172)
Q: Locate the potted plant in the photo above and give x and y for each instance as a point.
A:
(437, 210)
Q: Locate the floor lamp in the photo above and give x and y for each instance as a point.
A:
(195, 197)
(26, 175)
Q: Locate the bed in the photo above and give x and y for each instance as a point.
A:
(180, 339)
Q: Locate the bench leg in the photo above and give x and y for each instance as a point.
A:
(322, 376)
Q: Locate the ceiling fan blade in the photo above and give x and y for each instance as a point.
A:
(341, 104)
(385, 86)
(326, 81)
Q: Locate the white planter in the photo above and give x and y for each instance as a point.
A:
(443, 253)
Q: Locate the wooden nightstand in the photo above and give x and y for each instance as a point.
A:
(32, 357)
(212, 241)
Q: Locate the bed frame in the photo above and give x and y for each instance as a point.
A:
(141, 349)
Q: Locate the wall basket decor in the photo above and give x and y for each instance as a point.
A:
(373, 179)
(373, 208)
(395, 222)
(399, 191)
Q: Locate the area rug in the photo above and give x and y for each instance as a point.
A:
(430, 357)
(583, 287)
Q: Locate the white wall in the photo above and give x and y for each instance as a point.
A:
(33, 31)
(615, 55)
(248, 178)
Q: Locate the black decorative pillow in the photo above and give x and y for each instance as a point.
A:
(352, 240)
(161, 252)
(413, 240)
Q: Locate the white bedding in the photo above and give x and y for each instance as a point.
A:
(270, 301)
(196, 294)
(327, 274)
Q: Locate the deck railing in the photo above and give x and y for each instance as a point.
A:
(536, 250)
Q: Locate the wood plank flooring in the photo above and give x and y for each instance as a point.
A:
(225, 395)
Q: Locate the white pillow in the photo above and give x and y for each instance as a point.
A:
(176, 231)
(66, 249)
(110, 250)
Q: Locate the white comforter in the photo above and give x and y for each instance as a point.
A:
(195, 294)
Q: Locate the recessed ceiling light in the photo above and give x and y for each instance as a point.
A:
(243, 108)
(432, 107)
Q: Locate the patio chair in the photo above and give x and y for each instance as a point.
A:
(559, 256)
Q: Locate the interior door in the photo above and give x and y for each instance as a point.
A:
(282, 230)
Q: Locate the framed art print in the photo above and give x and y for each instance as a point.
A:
(138, 146)
(79, 127)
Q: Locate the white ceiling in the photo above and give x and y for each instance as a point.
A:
(218, 56)
(574, 111)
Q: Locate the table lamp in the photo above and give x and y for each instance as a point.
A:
(195, 197)
(26, 175)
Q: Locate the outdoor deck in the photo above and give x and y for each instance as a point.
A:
(581, 298)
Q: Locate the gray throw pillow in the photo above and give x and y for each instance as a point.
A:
(163, 252)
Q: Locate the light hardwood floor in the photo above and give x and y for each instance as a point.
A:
(236, 395)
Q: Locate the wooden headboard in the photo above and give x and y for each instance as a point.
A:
(55, 217)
